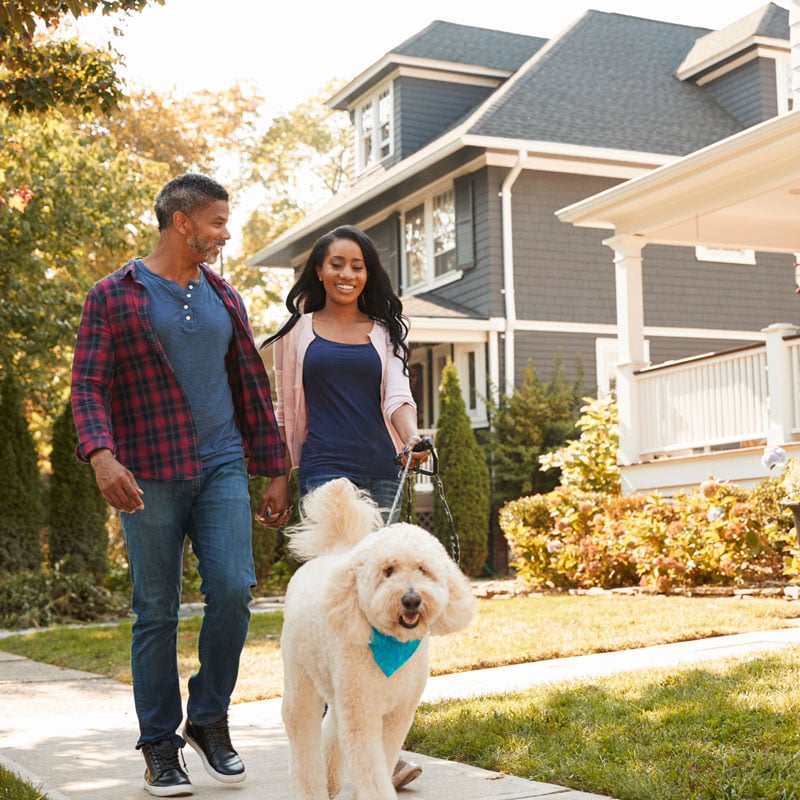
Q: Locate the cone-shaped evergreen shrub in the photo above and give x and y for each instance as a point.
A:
(538, 417)
(21, 507)
(465, 477)
(77, 513)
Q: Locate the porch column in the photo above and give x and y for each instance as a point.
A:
(630, 336)
(794, 43)
(781, 384)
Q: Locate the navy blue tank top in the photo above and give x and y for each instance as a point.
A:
(346, 433)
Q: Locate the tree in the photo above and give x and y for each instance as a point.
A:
(93, 181)
(464, 475)
(39, 72)
(76, 511)
(21, 509)
(298, 164)
(538, 417)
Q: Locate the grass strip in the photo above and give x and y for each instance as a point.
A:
(724, 730)
(506, 631)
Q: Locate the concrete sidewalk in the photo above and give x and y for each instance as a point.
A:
(72, 733)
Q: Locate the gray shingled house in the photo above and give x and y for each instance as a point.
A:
(467, 141)
(712, 413)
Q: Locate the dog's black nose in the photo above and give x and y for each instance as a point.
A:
(411, 601)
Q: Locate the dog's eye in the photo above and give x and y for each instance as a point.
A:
(422, 569)
(387, 571)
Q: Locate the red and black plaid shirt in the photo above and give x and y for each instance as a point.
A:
(125, 396)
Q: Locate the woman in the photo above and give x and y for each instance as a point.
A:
(343, 399)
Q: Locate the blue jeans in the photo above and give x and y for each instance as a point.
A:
(382, 491)
(214, 512)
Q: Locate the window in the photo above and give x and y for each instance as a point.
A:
(724, 256)
(783, 78)
(444, 233)
(374, 129)
(430, 240)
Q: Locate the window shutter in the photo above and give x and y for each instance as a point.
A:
(386, 236)
(465, 229)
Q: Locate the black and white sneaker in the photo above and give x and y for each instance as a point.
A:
(165, 776)
(212, 743)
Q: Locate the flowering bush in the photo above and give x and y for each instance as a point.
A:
(711, 536)
(585, 534)
(790, 481)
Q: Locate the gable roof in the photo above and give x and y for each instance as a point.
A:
(608, 81)
(465, 44)
(768, 22)
(447, 46)
(604, 88)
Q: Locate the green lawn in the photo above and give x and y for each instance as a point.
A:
(723, 731)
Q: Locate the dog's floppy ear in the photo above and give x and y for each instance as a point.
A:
(341, 607)
(461, 606)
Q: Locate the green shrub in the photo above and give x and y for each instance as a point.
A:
(465, 477)
(570, 538)
(41, 598)
(590, 461)
(562, 540)
(21, 507)
(538, 417)
(77, 513)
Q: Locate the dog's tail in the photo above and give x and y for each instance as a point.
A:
(335, 516)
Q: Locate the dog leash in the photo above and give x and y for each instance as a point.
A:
(426, 443)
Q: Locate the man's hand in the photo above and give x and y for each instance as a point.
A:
(274, 510)
(116, 483)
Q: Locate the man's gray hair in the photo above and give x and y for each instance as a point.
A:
(186, 193)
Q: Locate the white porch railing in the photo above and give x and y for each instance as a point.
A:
(704, 401)
(742, 397)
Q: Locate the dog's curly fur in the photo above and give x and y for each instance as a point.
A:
(358, 575)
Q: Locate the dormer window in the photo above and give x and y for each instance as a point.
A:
(375, 126)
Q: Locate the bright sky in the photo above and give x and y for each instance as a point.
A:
(291, 48)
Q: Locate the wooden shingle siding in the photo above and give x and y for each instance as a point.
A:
(425, 109)
(680, 291)
(664, 348)
(560, 272)
(575, 351)
(748, 92)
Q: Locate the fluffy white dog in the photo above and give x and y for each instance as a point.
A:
(357, 620)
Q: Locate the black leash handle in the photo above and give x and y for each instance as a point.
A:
(426, 443)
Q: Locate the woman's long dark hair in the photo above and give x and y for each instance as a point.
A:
(378, 300)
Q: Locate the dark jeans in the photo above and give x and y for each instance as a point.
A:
(214, 512)
(382, 491)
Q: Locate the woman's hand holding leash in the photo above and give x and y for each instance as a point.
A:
(417, 448)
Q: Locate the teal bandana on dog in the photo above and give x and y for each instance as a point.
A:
(389, 653)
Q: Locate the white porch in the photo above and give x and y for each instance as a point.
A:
(712, 414)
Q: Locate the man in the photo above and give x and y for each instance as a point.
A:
(172, 408)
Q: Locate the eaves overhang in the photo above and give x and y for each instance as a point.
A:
(751, 47)
(741, 192)
(496, 151)
(391, 62)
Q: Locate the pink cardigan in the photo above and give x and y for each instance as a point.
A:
(289, 398)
